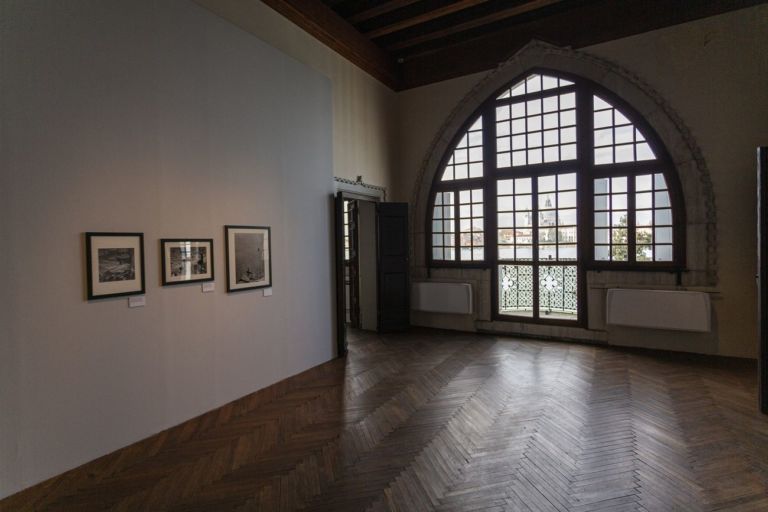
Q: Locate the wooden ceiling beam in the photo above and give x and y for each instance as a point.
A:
(423, 18)
(467, 25)
(379, 10)
(579, 27)
(323, 23)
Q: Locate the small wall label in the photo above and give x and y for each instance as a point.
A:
(137, 301)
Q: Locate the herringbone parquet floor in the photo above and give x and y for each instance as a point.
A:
(433, 420)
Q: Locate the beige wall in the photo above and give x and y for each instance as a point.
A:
(363, 108)
(713, 73)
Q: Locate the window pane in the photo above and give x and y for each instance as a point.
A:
(602, 252)
(471, 231)
(663, 253)
(443, 227)
(611, 202)
(534, 83)
(653, 218)
(468, 151)
(542, 131)
(514, 216)
(644, 253)
(616, 139)
(557, 216)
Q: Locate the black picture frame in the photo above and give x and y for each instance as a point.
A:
(253, 274)
(166, 244)
(118, 251)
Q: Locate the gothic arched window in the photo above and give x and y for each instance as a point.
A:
(551, 177)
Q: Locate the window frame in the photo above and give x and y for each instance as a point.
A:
(586, 172)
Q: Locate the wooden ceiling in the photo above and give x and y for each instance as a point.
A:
(408, 43)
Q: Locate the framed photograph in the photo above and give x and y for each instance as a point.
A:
(249, 261)
(186, 260)
(115, 264)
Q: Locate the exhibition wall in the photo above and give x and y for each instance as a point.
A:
(161, 118)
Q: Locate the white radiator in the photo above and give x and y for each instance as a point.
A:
(442, 297)
(659, 309)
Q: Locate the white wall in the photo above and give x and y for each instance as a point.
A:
(712, 72)
(157, 117)
(363, 108)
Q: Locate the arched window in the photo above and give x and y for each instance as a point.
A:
(551, 177)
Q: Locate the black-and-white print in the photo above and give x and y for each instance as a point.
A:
(186, 260)
(117, 264)
(114, 264)
(189, 261)
(249, 257)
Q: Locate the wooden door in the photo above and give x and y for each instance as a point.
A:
(393, 296)
(341, 324)
(352, 264)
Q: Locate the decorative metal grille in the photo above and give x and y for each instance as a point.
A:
(516, 289)
(558, 290)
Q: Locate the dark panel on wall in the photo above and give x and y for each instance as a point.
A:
(392, 266)
(762, 271)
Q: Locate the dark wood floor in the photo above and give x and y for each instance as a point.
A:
(434, 420)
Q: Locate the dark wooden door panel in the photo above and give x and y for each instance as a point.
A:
(392, 261)
(353, 264)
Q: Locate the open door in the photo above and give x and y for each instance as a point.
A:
(392, 266)
(351, 263)
(341, 324)
(762, 273)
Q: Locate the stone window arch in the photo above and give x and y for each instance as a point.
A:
(693, 260)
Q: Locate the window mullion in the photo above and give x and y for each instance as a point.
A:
(489, 188)
(456, 224)
(631, 224)
(584, 176)
(535, 243)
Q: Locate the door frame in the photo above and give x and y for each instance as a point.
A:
(356, 190)
(352, 264)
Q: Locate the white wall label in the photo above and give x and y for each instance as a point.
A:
(267, 292)
(209, 287)
(137, 301)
